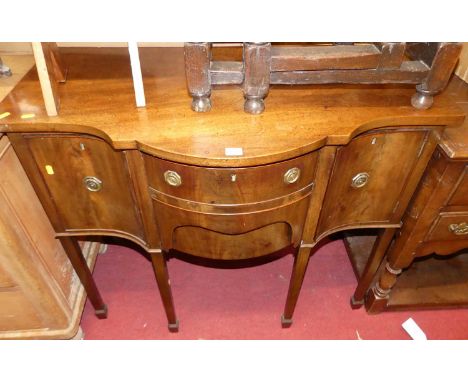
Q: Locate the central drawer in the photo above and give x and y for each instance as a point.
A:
(240, 185)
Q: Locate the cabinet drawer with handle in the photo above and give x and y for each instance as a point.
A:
(230, 185)
(449, 226)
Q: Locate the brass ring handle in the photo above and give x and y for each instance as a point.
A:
(459, 229)
(360, 180)
(92, 183)
(172, 178)
(292, 175)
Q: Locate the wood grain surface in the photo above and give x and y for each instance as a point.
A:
(98, 99)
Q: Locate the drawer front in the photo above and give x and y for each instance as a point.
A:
(449, 226)
(215, 245)
(368, 177)
(230, 185)
(88, 182)
(231, 236)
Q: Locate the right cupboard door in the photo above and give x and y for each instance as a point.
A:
(368, 177)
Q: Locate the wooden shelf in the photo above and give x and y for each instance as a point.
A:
(435, 282)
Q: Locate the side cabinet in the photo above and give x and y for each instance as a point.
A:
(84, 182)
(40, 295)
(369, 179)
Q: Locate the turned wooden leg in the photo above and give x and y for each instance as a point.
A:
(197, 72)
(257, 58)
(373, 263)
(301, 260)
(78, 261)
(377, 297)
(442, 67)
(164, 284)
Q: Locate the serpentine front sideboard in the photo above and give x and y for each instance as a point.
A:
(224, 185)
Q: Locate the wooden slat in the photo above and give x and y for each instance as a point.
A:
(226, 72)
(324, 57)
(47, 80)
(392, 55)
(411, 72)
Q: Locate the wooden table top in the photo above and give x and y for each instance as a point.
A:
(98, 99)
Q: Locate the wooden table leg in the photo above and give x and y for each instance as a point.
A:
(375, 258)
(73, 250)
(164, 284)
(301, 260)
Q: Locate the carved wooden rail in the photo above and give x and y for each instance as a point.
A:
(427, 65)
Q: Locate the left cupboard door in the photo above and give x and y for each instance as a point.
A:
(88, 182)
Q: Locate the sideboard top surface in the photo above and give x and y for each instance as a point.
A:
(98, 99)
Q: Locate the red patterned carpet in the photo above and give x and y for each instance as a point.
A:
(247, 303)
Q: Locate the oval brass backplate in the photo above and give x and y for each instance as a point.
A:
(172, 178)
(292, 175)
(360, 180)
(92, 183)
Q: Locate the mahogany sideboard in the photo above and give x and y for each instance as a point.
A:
(224, 185)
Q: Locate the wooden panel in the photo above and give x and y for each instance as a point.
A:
(262, 241)
(216, 185)
(285, 58)
(411, 72)
(226, 72)
(460, 194)
(71, 159)
(5, 279)
(170, 218)
(37, 271)
(17, 312)
(387, 158)
(462, 68)
(16, 185)
(39, 293)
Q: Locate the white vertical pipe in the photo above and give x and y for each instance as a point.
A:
(136, 73)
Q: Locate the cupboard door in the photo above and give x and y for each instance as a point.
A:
(368, 177)
(88, 182)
